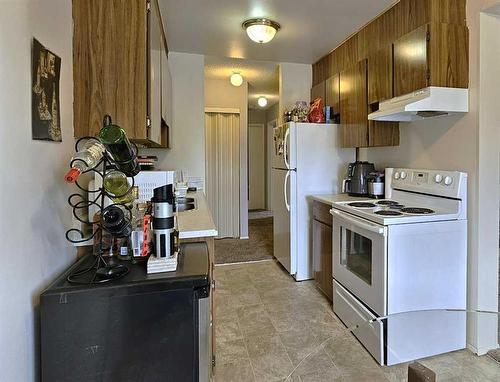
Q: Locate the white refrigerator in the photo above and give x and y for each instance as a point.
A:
(307, 159)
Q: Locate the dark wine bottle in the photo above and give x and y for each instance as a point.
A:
(115, 140)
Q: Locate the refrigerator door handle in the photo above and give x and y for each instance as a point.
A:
(287, 177)
(285, 148)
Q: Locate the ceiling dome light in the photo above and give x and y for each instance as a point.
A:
(236, 79)
(261, 30)
(262, 101)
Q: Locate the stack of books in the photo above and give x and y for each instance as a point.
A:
(147, 162)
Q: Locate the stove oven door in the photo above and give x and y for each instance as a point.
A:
(360, 259)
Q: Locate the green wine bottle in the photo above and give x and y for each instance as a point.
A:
(115, 140)
(117, 186)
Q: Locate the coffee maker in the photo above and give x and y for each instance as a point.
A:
(356, 183)
(164, 257)
(163, 221)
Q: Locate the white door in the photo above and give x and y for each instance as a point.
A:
(256, 167)
(222, 148)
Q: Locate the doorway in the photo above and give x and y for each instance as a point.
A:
(256, 167)
(222, 148)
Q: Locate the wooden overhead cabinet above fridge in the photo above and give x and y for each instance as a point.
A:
(120, 68)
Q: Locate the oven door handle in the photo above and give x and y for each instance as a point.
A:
(359, 223)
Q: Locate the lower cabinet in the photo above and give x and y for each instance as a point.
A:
(322, 248)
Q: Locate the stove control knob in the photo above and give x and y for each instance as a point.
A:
(396, 175)
(448, 180)
(438, 178)
(403, 175)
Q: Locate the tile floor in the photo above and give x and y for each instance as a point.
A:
(267, 324)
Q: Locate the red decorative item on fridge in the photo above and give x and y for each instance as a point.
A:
(316, 114)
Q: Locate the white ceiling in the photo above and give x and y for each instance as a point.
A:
(262, 76)
(310, 29)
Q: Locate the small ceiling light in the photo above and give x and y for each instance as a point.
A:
(236, 79)
(261, 30)
(262, 101)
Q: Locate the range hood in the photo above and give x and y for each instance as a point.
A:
(425, 103)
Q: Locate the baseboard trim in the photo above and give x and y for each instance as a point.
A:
(244, 262)
(244, 237)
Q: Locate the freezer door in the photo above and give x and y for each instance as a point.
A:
(281, 193)
(284, 146)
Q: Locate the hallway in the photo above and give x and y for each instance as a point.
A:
(259, 246)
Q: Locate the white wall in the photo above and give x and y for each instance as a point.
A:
(33, 195)
(188, 115)
(295, 81)
(465, 143)
(220, 93)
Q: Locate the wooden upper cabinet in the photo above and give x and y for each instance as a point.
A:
(410, 61)
(113, 61)
(354, 105)
(432, 55)
(109, 65)
(380, 75)
(318, 91)
(448, 55)
(332, 96)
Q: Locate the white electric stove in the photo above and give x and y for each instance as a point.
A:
(405, 253)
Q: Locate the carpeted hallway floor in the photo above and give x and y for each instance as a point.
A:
(258, 247)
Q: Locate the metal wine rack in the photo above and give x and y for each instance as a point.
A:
(96, 272)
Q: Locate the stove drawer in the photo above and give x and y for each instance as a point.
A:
(352, 313)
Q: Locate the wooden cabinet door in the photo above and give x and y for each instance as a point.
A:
(410, 62)
(156, 57)
(322, 254)
(354, 105)
(318, 91)
(380, 75)
(448, 55)
(332, 96)
(109, 65)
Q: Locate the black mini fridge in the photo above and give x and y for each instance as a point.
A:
(138, 328)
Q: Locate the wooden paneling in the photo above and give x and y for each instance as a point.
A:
(354, 105)
(109, 65)
(332, 93)
(322, 248)
(410, 62)
(318, 91)
(449, 55)
(402, 18)
(380, 75)
(383, 133)
(449, 11)
(411, 14)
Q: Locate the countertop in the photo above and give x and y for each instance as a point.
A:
(332, 198)
(198, 222)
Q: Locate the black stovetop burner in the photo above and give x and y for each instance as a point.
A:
(387, 202)
(362, 205)
(388, 213)
(417, 210)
